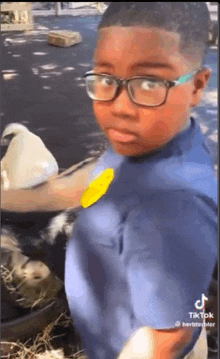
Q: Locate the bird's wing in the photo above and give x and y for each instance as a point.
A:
(28, 161)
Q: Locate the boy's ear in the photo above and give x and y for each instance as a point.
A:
(200, 82)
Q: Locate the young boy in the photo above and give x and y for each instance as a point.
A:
(145, 243)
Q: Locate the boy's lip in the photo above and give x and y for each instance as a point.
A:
(121, 135)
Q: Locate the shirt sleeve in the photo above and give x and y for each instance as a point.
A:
(169, 251)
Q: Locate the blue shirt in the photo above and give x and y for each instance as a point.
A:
(144, 253)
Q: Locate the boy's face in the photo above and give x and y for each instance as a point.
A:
(125, 52)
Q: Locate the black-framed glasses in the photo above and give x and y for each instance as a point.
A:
(142, 90)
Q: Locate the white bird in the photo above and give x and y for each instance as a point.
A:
(27, 161)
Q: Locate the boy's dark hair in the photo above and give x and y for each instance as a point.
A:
(189, 19)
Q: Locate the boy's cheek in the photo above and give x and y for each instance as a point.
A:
(178, 105)
(101, 112)
(182, 96)
(161, 129)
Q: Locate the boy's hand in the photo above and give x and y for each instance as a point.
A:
(148, 343)
(59, 193)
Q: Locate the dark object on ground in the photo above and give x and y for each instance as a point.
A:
(49, 328)
(30, 324)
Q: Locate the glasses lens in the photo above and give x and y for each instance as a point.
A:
(101, 87)
(148, 92)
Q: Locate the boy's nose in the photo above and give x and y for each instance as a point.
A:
(123, 105)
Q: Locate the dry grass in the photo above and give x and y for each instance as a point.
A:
(44, 345)
(57, 341)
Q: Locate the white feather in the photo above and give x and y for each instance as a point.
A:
(27, 161)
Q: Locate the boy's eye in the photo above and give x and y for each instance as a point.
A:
(150, 85)
(107, 81)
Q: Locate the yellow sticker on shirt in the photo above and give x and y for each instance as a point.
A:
(97, 188)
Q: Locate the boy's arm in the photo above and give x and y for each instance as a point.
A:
(148, 343)
(59, 193)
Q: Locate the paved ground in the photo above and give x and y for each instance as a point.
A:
(42, 87)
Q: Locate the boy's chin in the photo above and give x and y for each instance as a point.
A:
(130, 150)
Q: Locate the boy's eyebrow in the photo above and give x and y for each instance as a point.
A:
(152, 64)
(139, 64)
(103, 64)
